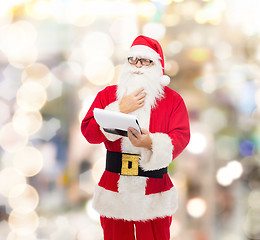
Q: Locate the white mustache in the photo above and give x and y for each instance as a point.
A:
(138, 71)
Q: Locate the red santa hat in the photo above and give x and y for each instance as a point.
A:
(150, 48)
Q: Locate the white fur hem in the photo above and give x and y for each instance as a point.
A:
(161, 154)
(114, 106)
(135, 208)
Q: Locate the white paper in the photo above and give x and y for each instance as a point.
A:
(115, 122)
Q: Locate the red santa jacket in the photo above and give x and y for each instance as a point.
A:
(134, 197)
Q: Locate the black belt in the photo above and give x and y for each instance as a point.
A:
(127, 164)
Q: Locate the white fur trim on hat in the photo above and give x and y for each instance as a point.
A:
(165, 80)
(144, 52)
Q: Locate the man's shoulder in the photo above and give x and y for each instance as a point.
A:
(170, 93)
(108, 94)
(109, 89)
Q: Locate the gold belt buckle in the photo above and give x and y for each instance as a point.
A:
(129, 164)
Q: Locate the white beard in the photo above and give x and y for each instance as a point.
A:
(129, 81)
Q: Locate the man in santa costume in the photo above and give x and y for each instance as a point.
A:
(135, 196)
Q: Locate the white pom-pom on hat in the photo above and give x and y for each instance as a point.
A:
(165, 80)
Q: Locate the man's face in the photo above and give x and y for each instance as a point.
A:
(141, 72)
(139, 63)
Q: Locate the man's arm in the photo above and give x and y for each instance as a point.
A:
(140, 140)
(159, 149)
(89, 127)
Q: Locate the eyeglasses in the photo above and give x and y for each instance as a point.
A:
(143, 61)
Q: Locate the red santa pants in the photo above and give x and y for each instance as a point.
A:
(118, 229)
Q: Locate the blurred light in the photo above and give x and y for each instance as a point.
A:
(123, 32)
(61, 15)
(171, 68)
(210, 81)
(176, 228)
(23, 196)
(165, 2)
(230, 236)
(154, 30)
(37, 72)
(29, 32)
(99, 70)
(14, 235)
(23, 220)
(31, 96)
(29, 161)
(18, 2)
(199, 54)
(223, 51)
(257, 98)
(211, 13)
(22, 57)
(196, 207)
(10, 83)
(63, 229)
(92, 213)
(215, 118)
(90, 232)
(97, 169)
(10, 139)
(55, 89)
(97, 44)
(77, 10)
(251, 224)
(38, 9)
(171, 20)
(4, 112)
(10, 178)
(174, 47)
(69, 72)
(235, 168)
(224, 177)
(254, 200)
(245, 97)
(86, 103)
(18, 43)
(232, 171)
(247, 148)
(198, 143)
(226, 147)
(49, 129)
(79, 14)
(27, 123)
(146, 9)
(245, 16)
(86, 182)
(6, 14)
(118, 70)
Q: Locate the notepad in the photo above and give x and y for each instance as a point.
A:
(115, 122)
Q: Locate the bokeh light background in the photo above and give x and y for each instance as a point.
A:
(55, 55)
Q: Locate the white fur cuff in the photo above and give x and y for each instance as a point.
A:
(161, 154)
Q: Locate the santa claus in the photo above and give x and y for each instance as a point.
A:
(135, 196)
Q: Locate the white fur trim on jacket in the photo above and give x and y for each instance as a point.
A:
(161, 154)
(114, 106)
(135, 206)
